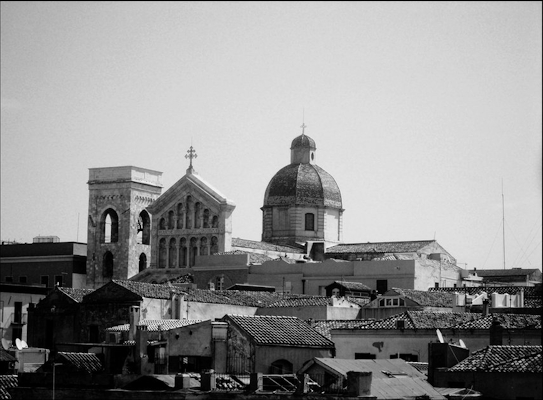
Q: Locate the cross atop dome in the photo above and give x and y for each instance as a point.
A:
(303, 126)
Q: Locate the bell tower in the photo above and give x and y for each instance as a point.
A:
(119, 226)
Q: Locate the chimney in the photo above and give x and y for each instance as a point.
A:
(496, 332)
(134, 315)
(140, 356)
(486, 306)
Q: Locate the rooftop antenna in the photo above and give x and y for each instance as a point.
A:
(503, 225)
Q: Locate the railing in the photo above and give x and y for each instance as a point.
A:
(327, 384)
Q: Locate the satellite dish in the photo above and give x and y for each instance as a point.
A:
(23, 343)
(6, 344)
(440, 336)
(462, 344)
(18, 344)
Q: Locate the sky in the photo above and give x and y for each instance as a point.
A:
(427, 114)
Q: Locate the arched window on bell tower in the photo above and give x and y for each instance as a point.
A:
(144, 228)
(109, 226)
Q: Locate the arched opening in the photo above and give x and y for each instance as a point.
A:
(183, 252)
(143, 262)
(162, 253)
(188, 212)
(109, 226)
(309, 222)
(172, 254)
(203, 246)
(282, 367)
(193, 249)
(206, 218)
(180, 216)
(215, 222)
(171, 220)
(197, 211)
(214, 245)
(144, 228)
(162, 224)
(107, 265)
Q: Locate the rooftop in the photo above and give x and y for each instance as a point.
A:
(494, 358)
(380, 247)
(252, 244)
(279, 330)
(426, 299)
(154, 324)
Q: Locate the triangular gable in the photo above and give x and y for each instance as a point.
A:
(57, 298)
(197, 187)
(112, 292)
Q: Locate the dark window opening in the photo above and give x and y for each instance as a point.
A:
(143, 262)
(382, 286)
(309, 222)
(58, 280)
(109, 226)
(22, 279)
(144, 228)
(9, 279)
(364, 356)
(107, 267)
(282, 367)
(44, 280)
(93, 334)
(406, 357)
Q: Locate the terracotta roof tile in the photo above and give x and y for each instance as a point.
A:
(427, 299)
(510, 358)
(82, 362)
(279, 330)
(353, 285)
(251, 244)
(149, 290)
(508, 321)
(379, 247)
(254, 258)
(325, 326)
(421, 320)
(153, 324)
(75, 294)
(7, 381)
(5, 356)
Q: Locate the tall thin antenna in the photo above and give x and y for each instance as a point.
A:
(503, 225)
(77, 235)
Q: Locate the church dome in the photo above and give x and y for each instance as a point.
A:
(303, 184)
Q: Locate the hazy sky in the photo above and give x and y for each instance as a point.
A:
(419, 110)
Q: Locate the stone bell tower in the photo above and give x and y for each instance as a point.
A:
(119, 227)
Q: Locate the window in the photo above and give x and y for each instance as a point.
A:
(107, 265)
(436, 285)
(219, 283)
(309, 222)
(44, 280)
(171, 220)
(143, 262)
(22, 279)
(162, 253)
(109, 226)
(58, 280)
(364, 356)
(405, 357)
(281, 367)
(9, 279)
(144, 228)
(18, 313)
(93, 333)
(382, 286)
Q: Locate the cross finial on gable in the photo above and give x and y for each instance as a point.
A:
(191, 153)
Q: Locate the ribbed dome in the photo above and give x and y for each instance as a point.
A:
(303, 141)
(303, 184)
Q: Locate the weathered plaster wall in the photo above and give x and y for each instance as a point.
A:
(384, 343)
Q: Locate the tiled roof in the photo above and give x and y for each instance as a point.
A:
(153, 324)
(324, 326)
(504, 272)
(353, 285)
(149, 290)
(254, 258)
(234, 297)
(421, 320)
(508, 321)
(82, 362)
(302, 301)
(380, 247)
(75, 294)
(529, 291)
(5, 356)
(251, 244)
(7, 381)
(422, 367)
(278, 330)
(509, 359)
(427, 299)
